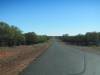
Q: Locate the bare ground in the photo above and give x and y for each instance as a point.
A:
(14, 60)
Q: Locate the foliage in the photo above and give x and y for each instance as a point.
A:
(12, 36)
(42, 38)
(30, 38)
(90, 38)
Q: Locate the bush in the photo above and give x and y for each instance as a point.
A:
(13, 36)
(43, 38)
(90, 38)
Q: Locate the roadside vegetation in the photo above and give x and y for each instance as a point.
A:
(18, 49)
(88, 39)
(11, 35)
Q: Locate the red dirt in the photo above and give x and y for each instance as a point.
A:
(24, 55)
(5, 54)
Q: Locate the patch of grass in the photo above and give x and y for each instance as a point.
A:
(8, 59)
(6, 48)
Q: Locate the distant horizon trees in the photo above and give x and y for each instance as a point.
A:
(90, 38)
(11, 35)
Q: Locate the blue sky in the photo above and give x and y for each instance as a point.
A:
(52, 17)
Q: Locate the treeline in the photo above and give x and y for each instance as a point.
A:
(11, 35)
(90, 38)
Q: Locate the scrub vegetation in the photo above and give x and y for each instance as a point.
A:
(18, 49)
(11, 35)
(90, 38)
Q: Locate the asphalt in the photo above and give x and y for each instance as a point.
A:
(62, 59)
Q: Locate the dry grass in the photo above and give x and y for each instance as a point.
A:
(14, 60)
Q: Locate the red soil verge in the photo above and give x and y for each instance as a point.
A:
(5, 54)
(19, 58)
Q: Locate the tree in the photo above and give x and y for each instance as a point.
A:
(90, 38)
(13, 36)
(16, 35)
(10, 35)
(42, 38)
(4, 33)
(30, 38)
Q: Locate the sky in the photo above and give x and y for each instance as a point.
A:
(52, 17)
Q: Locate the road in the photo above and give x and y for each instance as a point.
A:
(62, 59)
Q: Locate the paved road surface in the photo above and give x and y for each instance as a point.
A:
(62, 59)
